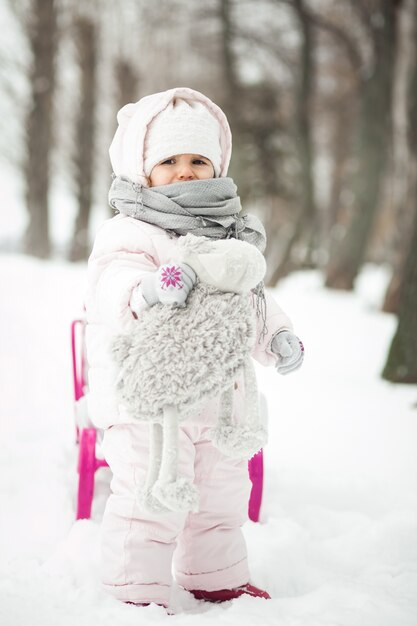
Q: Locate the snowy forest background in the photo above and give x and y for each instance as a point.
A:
(321, 96)
(322, 100)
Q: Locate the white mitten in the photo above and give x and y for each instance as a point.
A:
(171, 284)
(174, 282)
(289, 350)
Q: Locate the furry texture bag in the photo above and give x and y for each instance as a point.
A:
(178, 358)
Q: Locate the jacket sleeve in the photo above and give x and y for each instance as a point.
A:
(122, 254)
(275, 321)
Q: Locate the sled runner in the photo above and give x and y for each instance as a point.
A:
(87, 435)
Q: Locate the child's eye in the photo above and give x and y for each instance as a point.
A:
(199, 162)
(168, 162)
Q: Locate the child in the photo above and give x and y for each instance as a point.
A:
(164, 146)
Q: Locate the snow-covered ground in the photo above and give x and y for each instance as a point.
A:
(337, 544)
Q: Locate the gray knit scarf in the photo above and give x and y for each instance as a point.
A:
(208, 208)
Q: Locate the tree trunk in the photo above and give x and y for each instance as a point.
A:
(232, 100)
(305, 227)
(401, 365)
(39, 125)
(86, 36)
(373, 140)
(127, 82)
(341, 151)
(304, 131)
(231, 79)
(404, 151)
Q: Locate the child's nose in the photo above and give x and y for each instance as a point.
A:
(185, 173)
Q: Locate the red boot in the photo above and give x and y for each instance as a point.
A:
(223, 595)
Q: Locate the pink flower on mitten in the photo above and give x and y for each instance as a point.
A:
(171, 275)
(174, 283)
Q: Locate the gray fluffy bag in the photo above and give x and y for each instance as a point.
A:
(177, 359)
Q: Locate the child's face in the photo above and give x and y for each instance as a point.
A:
(180, 168)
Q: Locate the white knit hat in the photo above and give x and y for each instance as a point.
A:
(183, 127)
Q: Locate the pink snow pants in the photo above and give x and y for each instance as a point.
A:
(141, 552)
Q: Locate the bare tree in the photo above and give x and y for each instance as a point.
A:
(404, 171)
(335, 111)
(373, 135)
(127, 80)
(305, 225)
(401, 365)
(232, 82)
(86, 42)
(233, 100)
(42, 34)
(263, 130)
